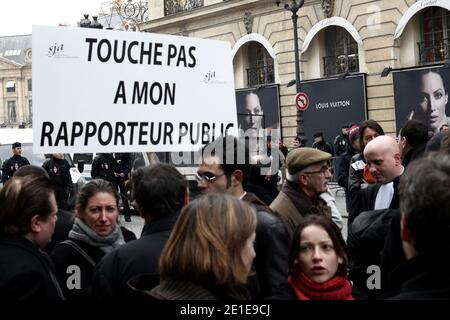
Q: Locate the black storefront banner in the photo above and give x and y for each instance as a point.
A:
(333, 103)
(422, 94)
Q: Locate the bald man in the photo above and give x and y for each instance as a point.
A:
(380, 204)
(384, 161)
(383, 158)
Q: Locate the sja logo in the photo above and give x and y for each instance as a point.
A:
(56, 48)
(210, 76)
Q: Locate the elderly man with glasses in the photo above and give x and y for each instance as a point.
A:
(225, 168)
(307, 176)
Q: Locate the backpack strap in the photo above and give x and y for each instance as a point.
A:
(77, 248)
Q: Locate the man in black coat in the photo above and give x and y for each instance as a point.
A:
(412, 142)
(383, 158)
(159, 192)
(15, 162)
(104, 167)
(65, 218)
(341, 142)
(122, 174)
(58, 170)
(321, 144)
(27, 220)
(425, 232)
(231, 175)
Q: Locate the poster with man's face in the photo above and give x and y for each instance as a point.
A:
(422, 94)
(258, 109)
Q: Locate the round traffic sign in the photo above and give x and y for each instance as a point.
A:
(302, 101)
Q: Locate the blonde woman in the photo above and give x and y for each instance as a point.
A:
(210, 252)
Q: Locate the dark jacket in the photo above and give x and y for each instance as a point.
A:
(292, 206)
(11, 165)
(415, 153)
(26, 273)
(103, 167)
(392, 254)
(342, 168)
(181, 290)
(425, 276)
(365, 242)
(324, 146)
(63, 225)
(355, 184)
(365, 200)
(64, 255)
(341, 143)
(59, 173)
(272, 246)
(133, 258)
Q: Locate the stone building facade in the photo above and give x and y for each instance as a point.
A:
(15, 81)
(335, 37)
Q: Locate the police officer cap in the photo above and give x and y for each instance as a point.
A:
(16, 145)
(300, 158)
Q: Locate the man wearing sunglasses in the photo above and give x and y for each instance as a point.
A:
(307, 176)
(225, 168)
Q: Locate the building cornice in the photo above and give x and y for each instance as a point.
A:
(210, 11)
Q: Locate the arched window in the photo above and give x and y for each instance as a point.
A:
(260, 69)
(435, 25)
(341, 52)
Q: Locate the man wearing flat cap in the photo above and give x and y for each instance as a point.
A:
(15, 162)
(307, 176)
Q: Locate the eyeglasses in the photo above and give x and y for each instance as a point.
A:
(207, 176)
(321, 171)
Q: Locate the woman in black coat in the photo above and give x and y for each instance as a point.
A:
(95, 233)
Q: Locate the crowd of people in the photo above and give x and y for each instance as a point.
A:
(240, 239)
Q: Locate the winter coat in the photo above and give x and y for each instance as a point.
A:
(26, 273)
(11, 165)
(291, 216)
(365, 242)
(131, 259)
(272, 246)
(425, 276)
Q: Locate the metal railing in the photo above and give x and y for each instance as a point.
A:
(333, 65)
(435, 51)
(176, 6)
(261, 75)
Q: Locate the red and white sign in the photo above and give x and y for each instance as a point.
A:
(302, 101)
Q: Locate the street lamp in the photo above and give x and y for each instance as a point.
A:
(293, 7)
(130, 13)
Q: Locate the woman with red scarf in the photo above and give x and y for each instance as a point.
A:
(318, 261)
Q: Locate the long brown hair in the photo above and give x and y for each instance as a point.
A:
(206, 243)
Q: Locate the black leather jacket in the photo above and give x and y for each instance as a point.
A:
(271, 248)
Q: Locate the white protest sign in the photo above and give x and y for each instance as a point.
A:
(111, 91)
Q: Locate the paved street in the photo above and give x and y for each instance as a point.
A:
(135, 225)
(340, 202)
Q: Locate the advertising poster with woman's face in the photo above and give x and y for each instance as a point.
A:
(422, 94)
(258, 109)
